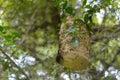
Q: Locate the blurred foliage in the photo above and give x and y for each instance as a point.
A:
(29, 31)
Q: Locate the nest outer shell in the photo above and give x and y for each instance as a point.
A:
(75, 58)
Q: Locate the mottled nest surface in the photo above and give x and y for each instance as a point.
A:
(75, 58)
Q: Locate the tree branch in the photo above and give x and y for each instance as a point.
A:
(100, 32)
(14, 64)
(32, 19)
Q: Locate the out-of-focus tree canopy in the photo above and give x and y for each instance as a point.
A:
(29, 31)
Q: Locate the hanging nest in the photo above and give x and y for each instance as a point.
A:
(74, 45)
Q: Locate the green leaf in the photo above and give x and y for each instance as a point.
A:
(84, 2)
(109, 1)
(75, 41)
(73, 30)
(76, 30)
(116, 3)
(6, 65)
(1, 28)
(67, 7)
(69, 10)
(88, 6)
(80, 20)
(15, 34)
(64, 5)
(57, 2)
(8, 37)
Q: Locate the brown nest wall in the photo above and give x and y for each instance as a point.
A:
(75, 58)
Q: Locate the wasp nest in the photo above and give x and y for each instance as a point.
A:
(74, 46)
